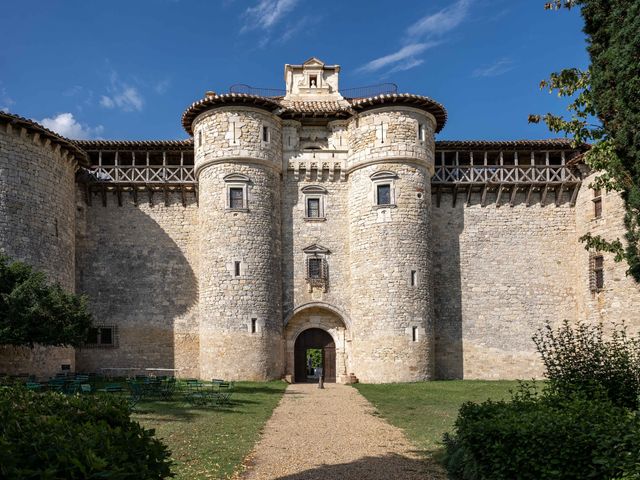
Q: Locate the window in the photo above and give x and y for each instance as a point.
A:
(236, 268)
(236, 197)
(414, 278)
(381, 132)
(414, 334)
(266, 134)
(313, 81)
(101, 336)
(384, 188)
(254, 325)
(200, 138)
(422, 132)
(597, 273)
(383, 194)
(315, 268)
(236, 192)
(597, 203)
(314, 202)
(313, 207)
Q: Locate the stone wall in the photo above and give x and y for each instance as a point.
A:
(138, 264)
(236, 133)
(241, 331)
(37, 226)
(499, 274)
(619, 300)
(391, 132)
(298, 233)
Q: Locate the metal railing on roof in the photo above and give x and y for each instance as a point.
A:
(260, 92)
(357, 92)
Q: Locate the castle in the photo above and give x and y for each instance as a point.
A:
(310, 218)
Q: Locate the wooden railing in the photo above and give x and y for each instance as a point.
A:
(511, 174)
(147, 174)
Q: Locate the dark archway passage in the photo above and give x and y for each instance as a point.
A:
(320, 339)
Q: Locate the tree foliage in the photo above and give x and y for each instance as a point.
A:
(609, 91)
(581, 360)
(35, 311)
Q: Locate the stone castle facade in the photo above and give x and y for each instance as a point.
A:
(312, 217)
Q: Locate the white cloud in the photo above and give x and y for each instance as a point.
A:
(162, 86)
(122, 95)
(266, 13)
(66, 125)
(421, 36)
(495, 69)
(403, 59)
(439, 23)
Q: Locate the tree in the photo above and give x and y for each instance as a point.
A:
(609, 91)
(35, 311)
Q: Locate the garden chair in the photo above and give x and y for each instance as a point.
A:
(34, 386)
(195, 393)
(85, 388)
(223, 393)
(56, 384)
(167, 388)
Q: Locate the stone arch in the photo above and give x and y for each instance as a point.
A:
(317, 315)
(323, 305)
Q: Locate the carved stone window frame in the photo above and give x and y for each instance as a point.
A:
(384, 177)
(236, 180)
(314, 192)
(317, 252)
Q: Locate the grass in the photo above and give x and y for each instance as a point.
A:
(211, 442)
(425, 411)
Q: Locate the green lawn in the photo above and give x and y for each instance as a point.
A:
(428, 409)
(211, 442)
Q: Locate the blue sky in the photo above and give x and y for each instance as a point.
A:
(128, 69)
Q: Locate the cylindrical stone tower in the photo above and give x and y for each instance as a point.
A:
(37, 219)
(389, 169)
(238, 164)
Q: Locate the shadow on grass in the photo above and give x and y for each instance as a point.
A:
(391, 466)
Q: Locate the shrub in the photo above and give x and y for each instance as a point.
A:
(544, 437)
(54, 436)
(582, 359)
(35, 311)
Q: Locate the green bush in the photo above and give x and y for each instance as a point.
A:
(581, 359)
(544, 437)
(52, 436)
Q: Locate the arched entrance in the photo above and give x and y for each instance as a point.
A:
(310, 344)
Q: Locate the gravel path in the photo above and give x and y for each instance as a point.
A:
(333, 434)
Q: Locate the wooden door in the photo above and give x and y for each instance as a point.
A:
(329, 364)
(314, 338)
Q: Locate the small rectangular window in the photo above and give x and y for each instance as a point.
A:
(236, 268)
(414, 278)
(101, 336)
(598, 272)
(384, 194)
(414, 334)
(597, 203)
(315, 268)
(236, 197)
(254, 325)
(313, 207)
(422, 132)
(265, 134)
